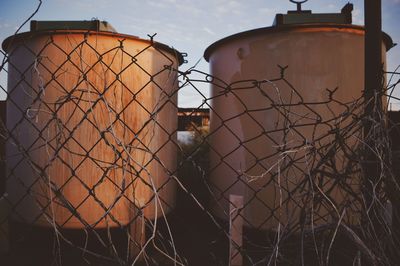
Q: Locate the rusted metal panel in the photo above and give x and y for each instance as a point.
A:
(92, 133)
(318, 58)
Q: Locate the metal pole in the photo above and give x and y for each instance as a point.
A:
(373, 87)
(373, 50)
(235, 230)
(373, 111)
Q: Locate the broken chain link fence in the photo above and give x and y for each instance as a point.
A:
(95, 174)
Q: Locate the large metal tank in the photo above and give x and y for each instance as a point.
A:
(91, 114)
(263, 128)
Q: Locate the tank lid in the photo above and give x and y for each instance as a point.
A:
(299, 20)
(97, 27)
(301, 16)
(89, 25)
(293, 28)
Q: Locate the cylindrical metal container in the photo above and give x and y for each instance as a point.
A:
(92, 118)
(263, 132)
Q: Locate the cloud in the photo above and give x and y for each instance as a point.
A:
(4, 25)
(358, 17)
(266, 10)
(157, 4)
(229, 7)
(208, 31)
(333, 6)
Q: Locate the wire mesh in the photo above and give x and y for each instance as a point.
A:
(95, 174)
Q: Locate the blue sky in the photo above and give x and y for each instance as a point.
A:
(188, 25)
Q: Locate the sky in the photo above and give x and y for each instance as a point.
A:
(189, 26)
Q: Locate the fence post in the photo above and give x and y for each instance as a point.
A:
(235, 230)
(4, 227)
(137, 232)
(372, 122)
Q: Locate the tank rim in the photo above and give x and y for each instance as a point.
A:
(285, 28)
(11, 40)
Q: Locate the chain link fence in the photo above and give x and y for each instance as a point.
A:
(95, 175)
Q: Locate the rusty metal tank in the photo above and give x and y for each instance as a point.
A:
(92, 115)
(263, 120)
